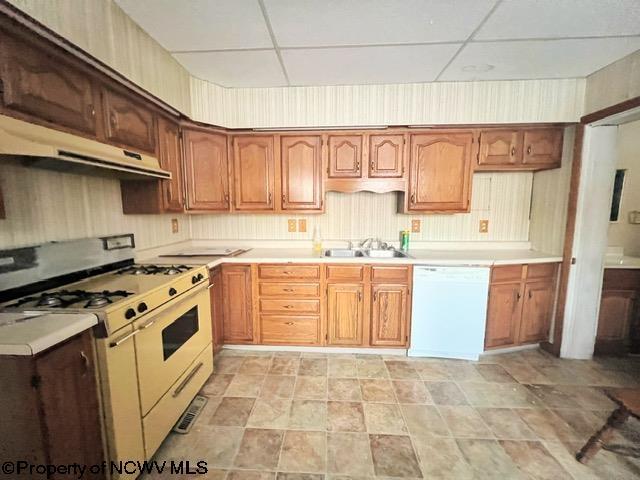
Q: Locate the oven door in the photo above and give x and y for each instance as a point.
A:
(168, 341)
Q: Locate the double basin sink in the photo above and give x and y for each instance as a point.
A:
(371, 253)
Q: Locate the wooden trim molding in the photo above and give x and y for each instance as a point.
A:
(3, 212)
(612, 110)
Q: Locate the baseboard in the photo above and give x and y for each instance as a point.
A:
(401, 352)
(519, 348)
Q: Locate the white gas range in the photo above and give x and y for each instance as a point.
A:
(153, 332)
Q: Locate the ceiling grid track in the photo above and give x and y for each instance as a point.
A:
(273, 40)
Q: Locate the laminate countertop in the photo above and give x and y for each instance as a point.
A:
(417, 257)
(622, 262)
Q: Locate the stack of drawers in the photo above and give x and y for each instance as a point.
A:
(289, 304)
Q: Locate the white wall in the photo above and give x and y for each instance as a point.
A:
(613, 84)
(622, 233)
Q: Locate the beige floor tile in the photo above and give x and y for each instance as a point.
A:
(250, 475)
(308, 415)
(440, 458)
(270, 413)
(433, 370)
(219, 447)
(401, 370)
(505, 395)
(284, 365)
(464, 421)
(424, 420)
(232, 412)
(411, 391)
(446, 393)
(377, 390)
(313, 367)
(345, 417)
(371, 368)
(533, 459)
(245, 386)
(347, 389)
(227, 364)
(259, 449)
(299, 476)
(303, 452)
(393, 456)
(342, 367)
(461, 372)
(525, 373)
(584, 422)
(494, 373)
(489, 460)
(217, 385)
(311, 387)
(506, 424)
(384, 418)
(278, 386)
(547, 425)
(349, 454)
(255, 366)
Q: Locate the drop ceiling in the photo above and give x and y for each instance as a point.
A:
(269, 43)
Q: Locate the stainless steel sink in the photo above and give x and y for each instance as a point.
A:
(343, 252)
(386, 254)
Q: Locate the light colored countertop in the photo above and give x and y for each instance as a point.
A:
(621, 262)
(28, 334)
(418, 256)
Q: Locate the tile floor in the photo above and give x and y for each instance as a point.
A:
(292, 416)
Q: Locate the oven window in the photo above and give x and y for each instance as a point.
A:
(181, 330)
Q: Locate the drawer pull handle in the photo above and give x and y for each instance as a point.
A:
(288, 306)
(288, 323)
(513, 151)
(288, 290)
(85, 363)
(530, 294)
(529, 150)
(186, 381)
(123, 339)
(287, 272)
(146, 325)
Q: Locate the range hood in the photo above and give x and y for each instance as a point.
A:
(42, 147)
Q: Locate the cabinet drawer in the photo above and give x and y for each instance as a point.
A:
(345, 272)
(282, 305)
(541, 270)
(290, 330)
(506, 273)
(397, 274)
(289, 271)
(289, 289)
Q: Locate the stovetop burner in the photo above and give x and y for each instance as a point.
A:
(154, 270)
(66, 298)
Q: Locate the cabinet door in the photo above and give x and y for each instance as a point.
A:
(128, 122)
(169, 155)
(254, 172)
(237, 311)
(345, 156)
(440, 172)
(70, 406)
(500, 148)
(207, 170)
(344, 314)
(542, 147)
(617, 308)
(46, 85)
(389, 315)
(301, 170)
(386, 156)
(503, 316)
(536, 311)
(217, 324)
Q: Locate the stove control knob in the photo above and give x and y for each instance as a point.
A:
(194, 279)
(200, 276)
(142, 307)
(130, 313)
(172, 292)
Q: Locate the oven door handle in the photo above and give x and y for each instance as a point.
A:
(124, 338)
(144, 326)
(188, 378)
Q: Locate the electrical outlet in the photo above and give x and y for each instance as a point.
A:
(484, 226)
(175, 228)
(302, 225)
(291, 225)
(415, 226)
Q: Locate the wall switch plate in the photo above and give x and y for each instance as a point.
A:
(291, 225)
(415, 226)
(175, 228)
(302, 225)
(484, 226)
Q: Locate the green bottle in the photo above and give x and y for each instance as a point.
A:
(404, 240)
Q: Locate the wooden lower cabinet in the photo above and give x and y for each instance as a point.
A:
(390, 309)
(521, 302)
(288, 330)
(237, 304)
(345, 314)
(217, 322)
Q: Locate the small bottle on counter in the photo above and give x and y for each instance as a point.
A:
(404, 240)
(317, 239)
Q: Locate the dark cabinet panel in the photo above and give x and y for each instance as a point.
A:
(128, 122)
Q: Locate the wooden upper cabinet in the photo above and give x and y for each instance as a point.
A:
(345, 156)
(170, 157)
(536, 311)
(345, 314)
(500, 148)
(389, 323)
(207, 170)
(542, 147)
(47, 85)
(503, 316)
(301, 172)
(254, 174)
(237, 307)
(128, 122)
(386, 156)
(440, 172)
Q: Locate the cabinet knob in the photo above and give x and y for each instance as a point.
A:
(113, 120)
(269, 199)
(85, 363)
(413, 198)
(373, 165)
(529, 150)
(358, 165)
(518, 296)
(288, 323)
(530, 295)
(513, 151)
(360, 296)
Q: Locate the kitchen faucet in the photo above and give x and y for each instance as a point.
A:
(366, 241)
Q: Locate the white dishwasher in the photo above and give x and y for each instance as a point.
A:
(449, 311)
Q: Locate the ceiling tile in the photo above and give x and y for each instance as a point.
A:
(562, 18)
(308, 23)
(201, 24)
(367, 65)
(251, 68)
(538, 58)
